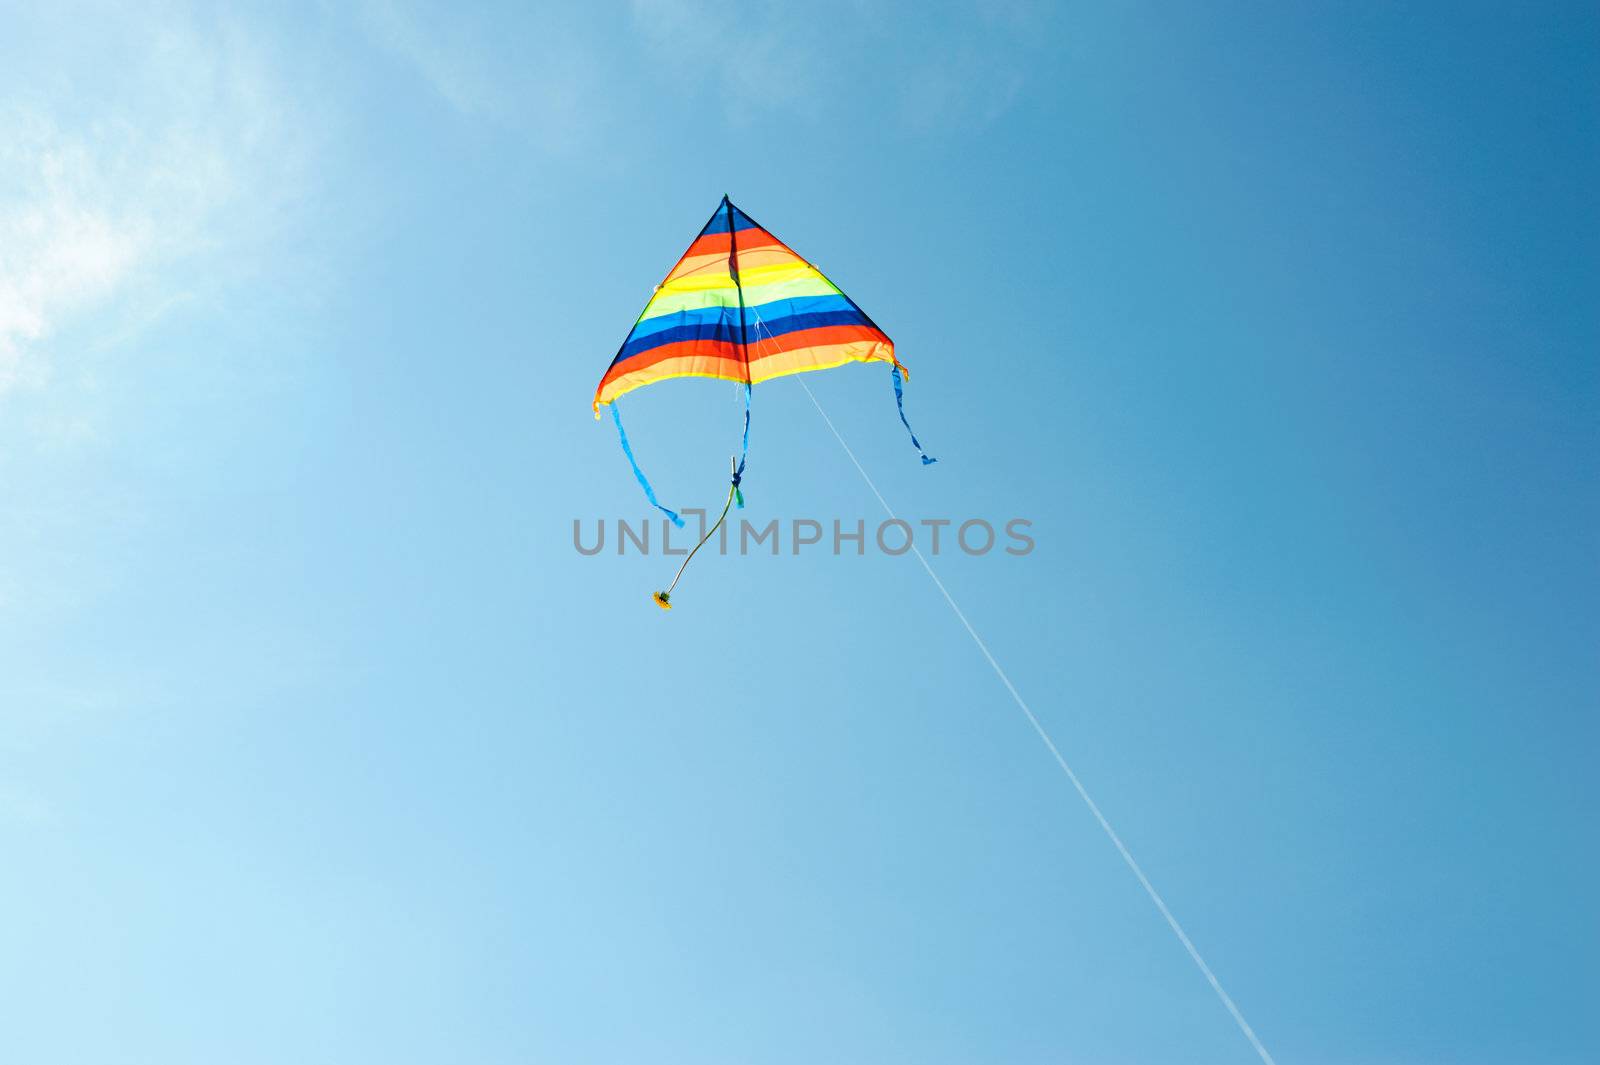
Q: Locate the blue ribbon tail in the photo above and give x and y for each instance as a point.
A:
(900, 405)
(644, 482)
(744, 450)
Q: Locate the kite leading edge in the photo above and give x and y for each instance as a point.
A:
(698, 324)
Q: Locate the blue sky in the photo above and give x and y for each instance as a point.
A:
(320, 743)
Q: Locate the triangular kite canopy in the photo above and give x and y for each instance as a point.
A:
(742, 306)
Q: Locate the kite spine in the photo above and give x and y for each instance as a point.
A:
(744, 347)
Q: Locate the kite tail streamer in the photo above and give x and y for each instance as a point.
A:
(644, 482)
(744, 450)
(900, 405)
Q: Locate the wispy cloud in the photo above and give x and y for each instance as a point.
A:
(176, 143)
(63, 243)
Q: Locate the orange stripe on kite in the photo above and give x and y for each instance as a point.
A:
(718, 243)
(702, 348)
(763, 346)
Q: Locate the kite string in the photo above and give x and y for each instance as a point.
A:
(1038, 727)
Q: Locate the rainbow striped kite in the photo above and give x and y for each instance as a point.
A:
(741, 306)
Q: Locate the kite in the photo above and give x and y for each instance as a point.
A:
(741, 306)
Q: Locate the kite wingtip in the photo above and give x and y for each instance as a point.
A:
(661, 600)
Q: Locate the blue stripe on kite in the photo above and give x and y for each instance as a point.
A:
(767, 312)
(675, 319)
(770, 313)
(729, 331)
(719, 222)
(793, 323)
